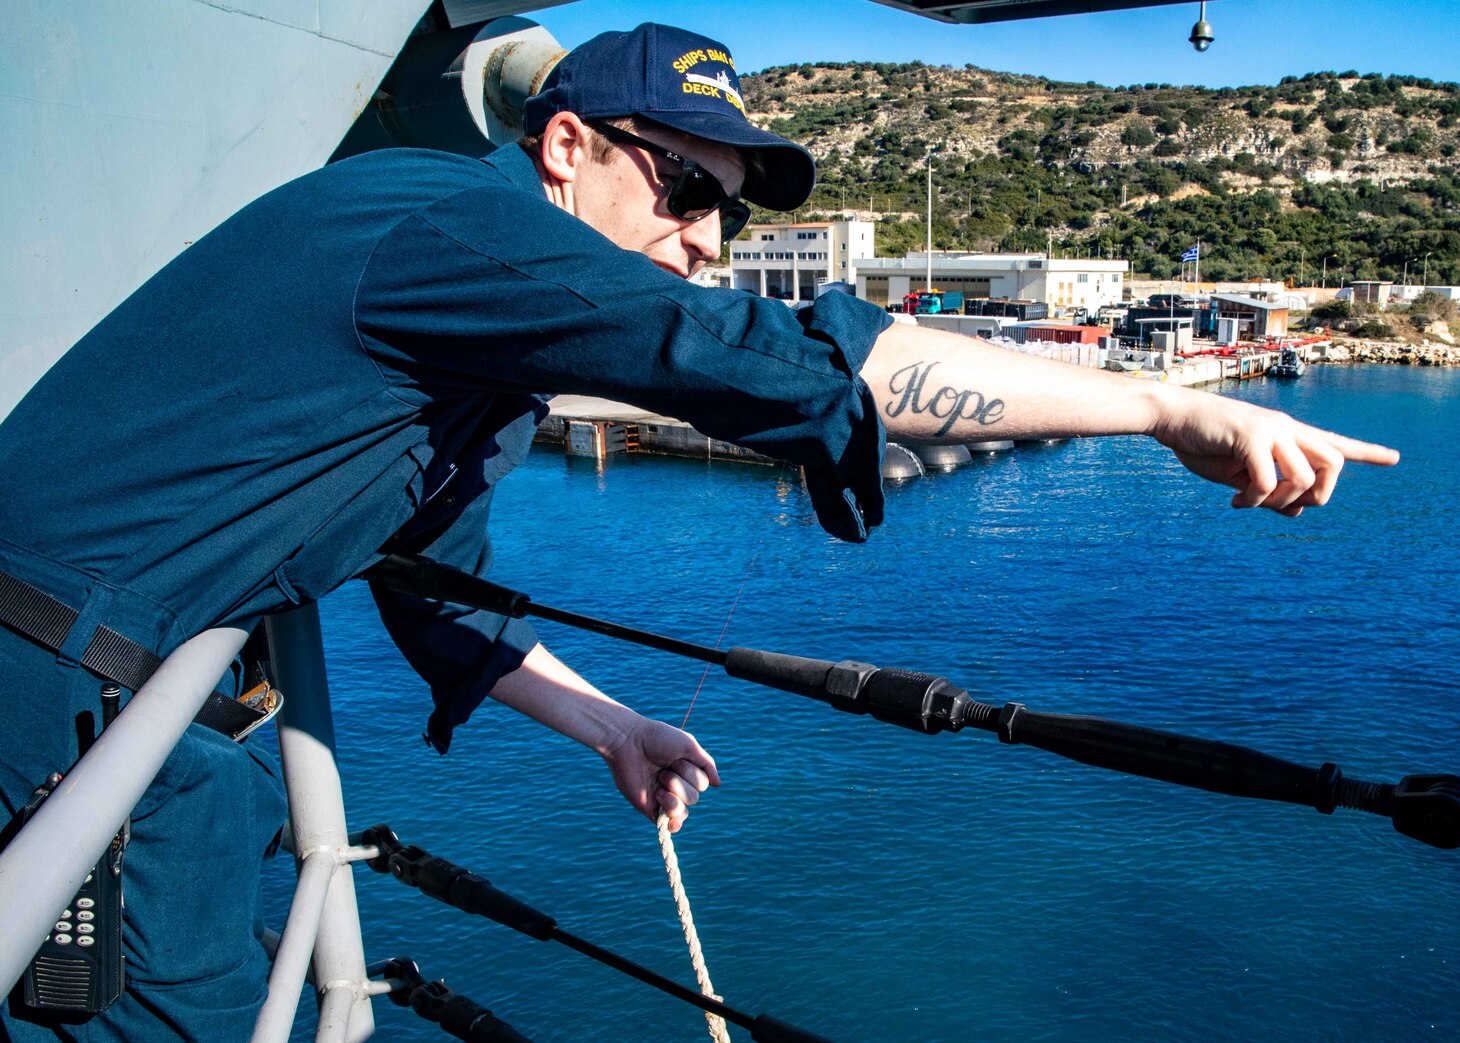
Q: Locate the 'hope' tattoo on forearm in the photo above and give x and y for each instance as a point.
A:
(947, 403)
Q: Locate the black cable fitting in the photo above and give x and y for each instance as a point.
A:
(457, 1015)
(1326, 787)
(1004, 723)
(424, 578)
(923, 702)
(845, 682)
(454, 885)
(1427, 808)
(386, 843)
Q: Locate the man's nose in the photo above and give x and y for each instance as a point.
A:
(701, 239)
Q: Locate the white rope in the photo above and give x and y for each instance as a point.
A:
(718, 1032)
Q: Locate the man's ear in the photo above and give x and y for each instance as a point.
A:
(565, 149)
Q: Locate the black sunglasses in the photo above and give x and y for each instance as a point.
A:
(695, 193)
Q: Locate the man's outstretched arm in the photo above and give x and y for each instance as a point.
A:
(654, 765)
(945, 387)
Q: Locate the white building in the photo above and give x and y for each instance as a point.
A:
(792, 260)
(1064, 284)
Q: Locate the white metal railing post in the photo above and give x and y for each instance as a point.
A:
(46, 862)
(329, 924)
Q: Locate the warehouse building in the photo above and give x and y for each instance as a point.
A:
(1066, 285)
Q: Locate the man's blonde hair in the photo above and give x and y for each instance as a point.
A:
(599, 147)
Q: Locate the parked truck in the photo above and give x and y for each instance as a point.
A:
(932, 302)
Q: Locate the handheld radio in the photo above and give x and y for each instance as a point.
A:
(80, 966)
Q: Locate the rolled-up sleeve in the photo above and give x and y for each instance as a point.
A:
(495, 289)
(460, 653)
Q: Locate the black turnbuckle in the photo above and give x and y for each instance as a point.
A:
(1427, 808)
(457, 1015)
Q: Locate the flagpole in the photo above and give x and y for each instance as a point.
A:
(1197, 288)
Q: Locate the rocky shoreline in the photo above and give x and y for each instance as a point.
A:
(1349, 350)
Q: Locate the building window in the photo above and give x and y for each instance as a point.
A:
(767, 237)
(1082, 277)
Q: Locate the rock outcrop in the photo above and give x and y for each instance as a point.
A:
(1426, 353)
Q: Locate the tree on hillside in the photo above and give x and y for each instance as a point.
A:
(1137, 135)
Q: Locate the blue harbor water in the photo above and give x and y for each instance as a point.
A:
(873, 884)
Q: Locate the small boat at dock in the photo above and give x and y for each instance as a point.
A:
(1289, 364)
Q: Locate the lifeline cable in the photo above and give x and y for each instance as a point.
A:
(462, 889)
(1423, 807)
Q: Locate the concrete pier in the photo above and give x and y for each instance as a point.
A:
(598, 428)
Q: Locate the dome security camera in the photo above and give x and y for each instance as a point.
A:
(1201, 32)
(1201, 35)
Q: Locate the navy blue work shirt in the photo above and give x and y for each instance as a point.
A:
(350, 364)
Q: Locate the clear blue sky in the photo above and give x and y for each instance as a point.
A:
(1257, 41)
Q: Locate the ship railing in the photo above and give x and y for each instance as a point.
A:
(46, 862)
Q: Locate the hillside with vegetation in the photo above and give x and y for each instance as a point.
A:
(1359, 169)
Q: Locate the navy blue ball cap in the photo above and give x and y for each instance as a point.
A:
(684, 81)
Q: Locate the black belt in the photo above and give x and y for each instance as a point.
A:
(34, 614)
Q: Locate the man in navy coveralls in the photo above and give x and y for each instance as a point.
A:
(350, 364)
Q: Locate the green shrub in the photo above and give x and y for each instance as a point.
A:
(1374, 330)
(1330, 311)
(1429, 306)
(1137, 135)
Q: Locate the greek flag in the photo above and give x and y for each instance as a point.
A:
(1191, 254)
